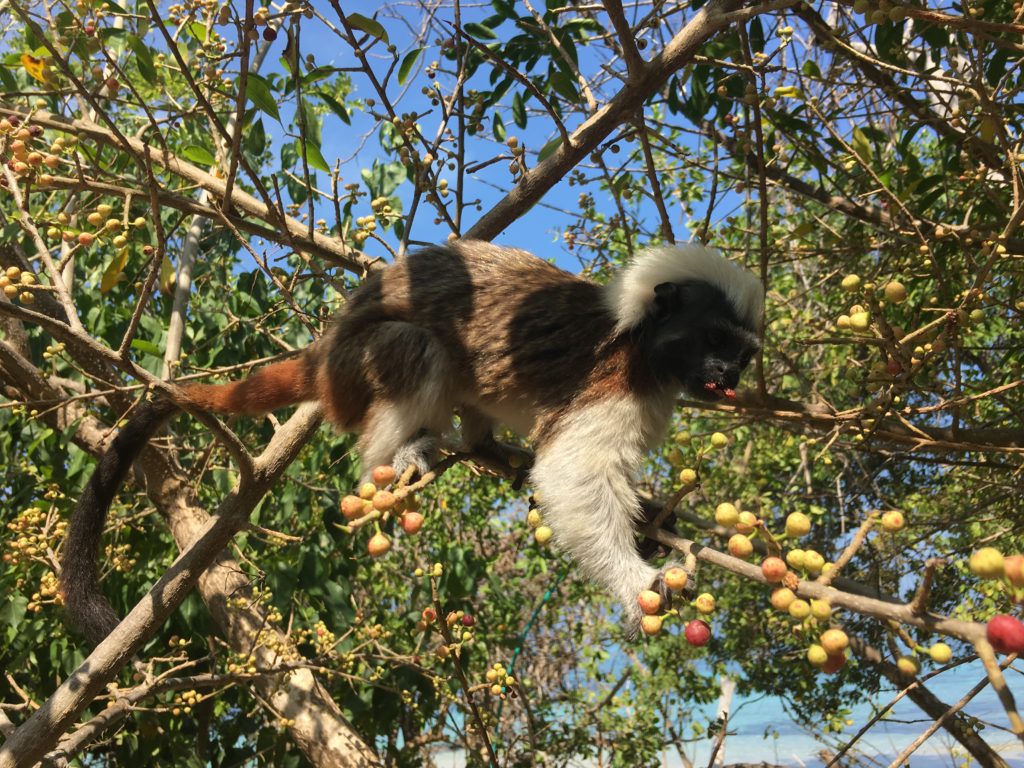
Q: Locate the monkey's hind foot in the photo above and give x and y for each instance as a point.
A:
(659, 586)
(420, 454)
(670, 582)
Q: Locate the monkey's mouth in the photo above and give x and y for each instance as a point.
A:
(717, 390)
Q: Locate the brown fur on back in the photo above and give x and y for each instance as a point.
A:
(515, 334)
(519, 334)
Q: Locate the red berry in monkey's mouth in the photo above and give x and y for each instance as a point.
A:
(719, 389)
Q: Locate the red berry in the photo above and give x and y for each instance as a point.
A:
(269, 34)
(412, 522)
(697, 632)
(468, 621)
(352, 507)
(834, 664)
(773, 569)
(1006, 634)
(383, 500)
(649, 601)
(1013, 567)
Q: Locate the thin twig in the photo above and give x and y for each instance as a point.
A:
(445, 630)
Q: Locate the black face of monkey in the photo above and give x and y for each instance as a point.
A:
(698, 339)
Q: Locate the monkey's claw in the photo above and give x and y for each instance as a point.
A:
(659, 586)
(504, 455)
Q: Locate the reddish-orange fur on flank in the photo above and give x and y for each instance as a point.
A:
(270, 388)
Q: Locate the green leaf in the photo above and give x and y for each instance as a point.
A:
(368, 25)
(811, 69)
(498, 127)
(146, 347)
(996, 67)
(335, 106)
(143, 59)
(700, 98)
(549, 149)
(313, 156)
(564, 85)
(755, 31)
(312, 121)
(500, 90)
(382, 179)
(674, 105)
(7, 79)
(12, 611)
(876, 135)
(197, 30)
(316, 75)
(111, 34)
(803, 228)
(479, 31)
(519, 110)
(113, 270)
(408, 62)
(197, 154)
(505, 8)
(256, 138)
(115, 8)
(258, 92)
(569, 46)
(580, 25)
(861, 144)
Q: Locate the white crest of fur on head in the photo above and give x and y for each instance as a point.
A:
(630, 295)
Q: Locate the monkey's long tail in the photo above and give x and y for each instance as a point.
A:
(285, 383)
(275, 386)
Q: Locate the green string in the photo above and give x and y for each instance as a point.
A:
(533, 617)
(529, 625)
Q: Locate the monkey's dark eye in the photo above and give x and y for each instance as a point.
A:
(714, 337)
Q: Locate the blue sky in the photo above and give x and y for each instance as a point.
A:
(539, 230)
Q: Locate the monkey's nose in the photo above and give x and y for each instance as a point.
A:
(723, 373)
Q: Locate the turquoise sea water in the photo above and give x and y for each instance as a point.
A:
(886, 739)
(747, 741)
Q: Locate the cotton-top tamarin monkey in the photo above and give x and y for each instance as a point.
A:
(590, 372)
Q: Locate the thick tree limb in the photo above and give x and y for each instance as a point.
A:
(203, 561)
(933, 706)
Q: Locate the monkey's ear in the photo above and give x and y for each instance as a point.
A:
(666, 299)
